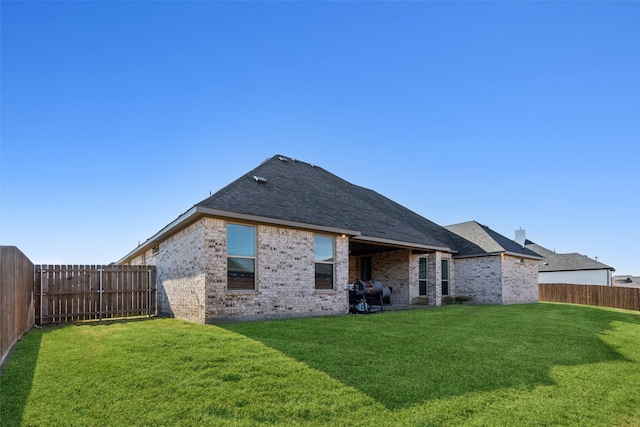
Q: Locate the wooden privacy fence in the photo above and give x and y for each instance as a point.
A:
(605, 296)
(69, 293)
(16, 297)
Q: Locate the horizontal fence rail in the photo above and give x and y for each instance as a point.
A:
(604, 296)
(71, 293)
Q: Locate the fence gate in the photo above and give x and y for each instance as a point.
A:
(70, 293)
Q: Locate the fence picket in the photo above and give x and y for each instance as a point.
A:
(73, 293)
(606, 296)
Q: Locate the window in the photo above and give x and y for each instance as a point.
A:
(445, 276)
(422, 276)
(323, 247)
(155, 250)
(241, 252)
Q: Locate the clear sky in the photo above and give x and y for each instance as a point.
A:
(118, 116)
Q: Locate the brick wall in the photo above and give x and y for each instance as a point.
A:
(392, 269)
(180, 266)
(354, 269)
(434, 287)
(479, 278)
(139, 260)
(192, 275)
(519, 280)
(285, 276)
(146, 258)
(500, 279)
(414, 277)
(215, 238)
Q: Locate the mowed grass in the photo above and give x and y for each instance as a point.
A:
(538, 364)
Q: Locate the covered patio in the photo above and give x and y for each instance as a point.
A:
(413, 272)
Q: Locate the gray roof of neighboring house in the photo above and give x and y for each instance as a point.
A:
(478, 239)
(306, 194)
(564, 262)
(628, 281)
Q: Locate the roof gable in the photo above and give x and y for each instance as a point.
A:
(479, 239)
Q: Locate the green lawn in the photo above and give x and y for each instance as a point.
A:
(538, 364)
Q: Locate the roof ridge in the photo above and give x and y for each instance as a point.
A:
(237, 181)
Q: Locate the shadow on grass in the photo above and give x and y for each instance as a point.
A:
(406, 358)
(16, 377)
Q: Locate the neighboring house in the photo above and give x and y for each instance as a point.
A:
(626, 281)
(570, 268)
(286, 238)
(493, 268)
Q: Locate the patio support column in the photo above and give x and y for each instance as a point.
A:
(437, 286)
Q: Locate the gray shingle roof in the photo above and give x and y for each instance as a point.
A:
(478, 239)
(304, 193)
(626, 281)
(564, 262)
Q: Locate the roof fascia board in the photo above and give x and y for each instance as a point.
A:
(179, 222)
(577, 269)
(513, 254)
(401, 244)
(516, 254)
(275, 221)
(479, 255)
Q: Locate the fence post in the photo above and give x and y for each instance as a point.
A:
(100, 295)
(149, 292)
(41, 287)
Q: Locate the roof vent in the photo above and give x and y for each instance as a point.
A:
(260, 180)
(283, 159)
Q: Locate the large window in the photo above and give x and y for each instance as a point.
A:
(241, 253)
(422, 276)
(445, 276)
(324, 248)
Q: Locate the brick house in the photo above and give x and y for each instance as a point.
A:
(286, 238)
(490, 268)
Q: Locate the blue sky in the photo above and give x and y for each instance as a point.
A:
(119, 116)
